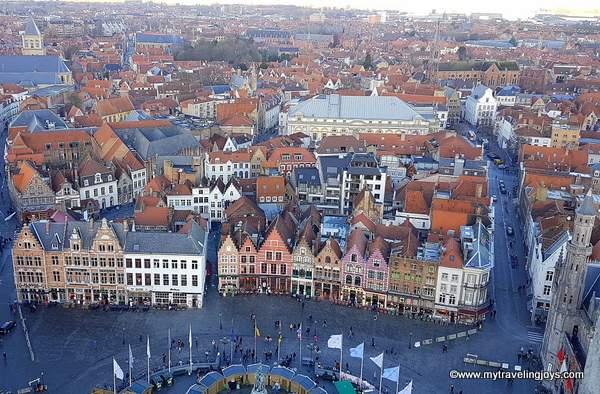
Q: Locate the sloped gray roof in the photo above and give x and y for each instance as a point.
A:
(480, 256)
(307, 175)
(32, 64)
(56, 236)
(35, 120)
(31, 28)
(31, 70)
(479, 91)
(191, 243)
(157, 141)
(587, 205)
(335, 106)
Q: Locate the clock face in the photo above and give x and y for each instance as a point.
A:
(228, 248)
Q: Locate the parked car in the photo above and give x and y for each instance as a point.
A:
(7, 326)
(509, 231)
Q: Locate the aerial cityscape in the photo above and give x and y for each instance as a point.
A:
(299, 198)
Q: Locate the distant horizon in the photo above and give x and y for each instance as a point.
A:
(510, 9)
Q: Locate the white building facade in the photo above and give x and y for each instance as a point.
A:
(166, 268)
(480, 107)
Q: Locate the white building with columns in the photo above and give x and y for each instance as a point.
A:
(333, 114)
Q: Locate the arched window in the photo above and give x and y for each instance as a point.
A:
(327, 260)
(357, 281)
(348, 279)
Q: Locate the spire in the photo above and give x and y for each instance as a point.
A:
(31, 28)
(587, 206)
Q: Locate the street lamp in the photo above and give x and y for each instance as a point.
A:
(410, 340)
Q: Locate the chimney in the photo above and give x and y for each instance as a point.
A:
(47, 226)
(478, 190)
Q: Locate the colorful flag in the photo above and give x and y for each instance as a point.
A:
(407, 389)
(335, 342)
(279, 339)
(256, 330)
(148, 347)
(378, 360)
(117, 370)
(130, 356)
(392, 374)
(563, 367)
(358, 352)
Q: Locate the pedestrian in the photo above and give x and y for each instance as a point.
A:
(324, 323)
(372, 341)
(451, 389)
(4, 355)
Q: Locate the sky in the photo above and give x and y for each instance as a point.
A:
(510, 8)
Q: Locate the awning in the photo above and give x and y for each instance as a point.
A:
(344, 387)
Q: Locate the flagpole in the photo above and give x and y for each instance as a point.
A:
(231, 344)
(255, 355)
(114, 378)
(129, 364)
(279, 347)
(381, 374)
(169, 349)
(300, 353)
(341, 354)
(148, 357)
(362, 362)
(190, 340)
(398, 380)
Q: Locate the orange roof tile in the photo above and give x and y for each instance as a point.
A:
(270, 186)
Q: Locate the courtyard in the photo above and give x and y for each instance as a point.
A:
(83, 342)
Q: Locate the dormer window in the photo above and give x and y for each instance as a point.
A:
(110, 178)
(85, 182)
(98, 178)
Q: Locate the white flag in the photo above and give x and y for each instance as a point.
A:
(407, 389)
(190, 339)
(130, 356)
(335, 342)
(299, 332)
(148, 348)
(563, 367)
(358, 351)
(392, 374)
(117, 370)
(378, 360)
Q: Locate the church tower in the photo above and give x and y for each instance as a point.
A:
(563, 316)
(33, 40)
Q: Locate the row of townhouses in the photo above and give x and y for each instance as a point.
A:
(103, 262)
